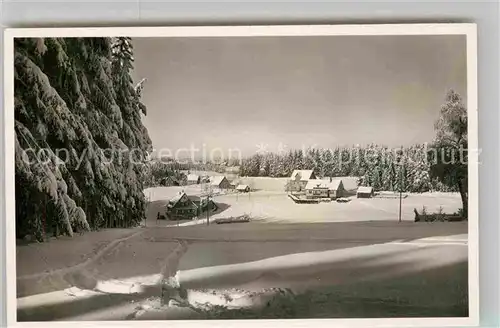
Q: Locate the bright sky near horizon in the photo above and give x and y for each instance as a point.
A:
(296, 92)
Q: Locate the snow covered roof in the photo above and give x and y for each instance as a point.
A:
(335, 184)
(216, 180)
(242, 187)
(318, 183)
(304, 174)
(349, 183)
(365, 190)
(174, 200)
(315, 183)
(193, 177)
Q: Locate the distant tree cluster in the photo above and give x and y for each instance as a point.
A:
(381, 167)
(219, 167)
(77, 95)
(162, 174)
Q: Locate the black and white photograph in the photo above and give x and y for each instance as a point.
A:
(244, 173)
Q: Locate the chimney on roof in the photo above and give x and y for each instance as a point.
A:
(330, 179)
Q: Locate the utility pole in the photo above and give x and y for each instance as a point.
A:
(208, 192)
(45, 218)
(208, 210)
(400, 184)
(400, 195)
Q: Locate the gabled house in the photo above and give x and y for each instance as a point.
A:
(336, 189)
(181, 206)
(220, 182)
(299, 179)
(317, 188)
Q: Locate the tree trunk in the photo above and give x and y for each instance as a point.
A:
(462, 187)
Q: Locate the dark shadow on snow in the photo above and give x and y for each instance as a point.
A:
(394, 290)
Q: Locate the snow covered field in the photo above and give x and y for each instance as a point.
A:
(326, 267)
(275, 206)
(224, 257)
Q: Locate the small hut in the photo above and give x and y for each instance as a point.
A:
(243, 188)
(193, 179)
(364, 192)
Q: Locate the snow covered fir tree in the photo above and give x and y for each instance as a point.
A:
(79, 139)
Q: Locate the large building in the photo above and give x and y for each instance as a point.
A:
(299, 179)
(317, 188)
(181, 206)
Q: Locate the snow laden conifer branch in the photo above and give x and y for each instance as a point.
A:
(75, 102)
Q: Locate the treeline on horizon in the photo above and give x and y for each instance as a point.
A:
(405, 169)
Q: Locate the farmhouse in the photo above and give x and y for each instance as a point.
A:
(243, 188)
(336, 189)
(317, 189)
(364, 192)
(322, 189)
(193, 179)
(220, 182)
(299, 179)
(349, 183)
(181, 206)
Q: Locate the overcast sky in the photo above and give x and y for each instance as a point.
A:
(324, 91)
